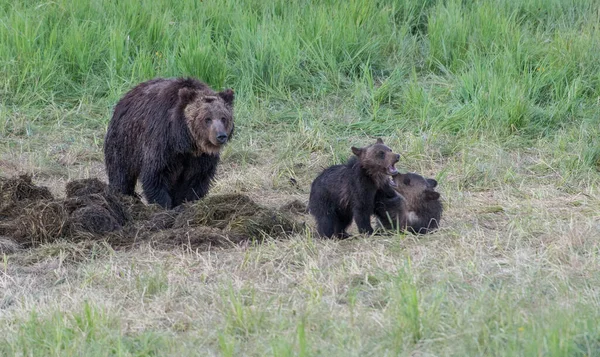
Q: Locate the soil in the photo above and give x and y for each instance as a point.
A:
(91, 211)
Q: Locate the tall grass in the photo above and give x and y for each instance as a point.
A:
(500, 68)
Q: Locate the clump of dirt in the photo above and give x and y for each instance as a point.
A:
(159, 221)
(18, 192)
(91, 212)
(41, 222)
(37, 218)
(105, 203)
(94, 219)
(237, 215)
(216, 211)
(85, 187)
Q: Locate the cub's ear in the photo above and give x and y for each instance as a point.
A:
(357, 151)
(186, 95)
(432, 183)
(379, 141)
(431, 195)
(227, 96)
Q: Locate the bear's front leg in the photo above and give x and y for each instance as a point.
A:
(197, 189)
(386, 192)
(362, 217)
(155, 189)
(196, 179)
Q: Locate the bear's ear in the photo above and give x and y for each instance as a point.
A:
(186, 95)
(431, 195)
(227, 96)
(357, 151)
(379, 141)
(431, 183)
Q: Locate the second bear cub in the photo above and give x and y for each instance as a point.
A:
(345, 192)
(416, 206)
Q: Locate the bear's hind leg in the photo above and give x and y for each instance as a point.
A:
(122, 182)
(331, 225)
(341, 225)
(326, 225)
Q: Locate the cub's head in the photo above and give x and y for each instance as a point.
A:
(209, 118)
(377, 159)
(415, 188)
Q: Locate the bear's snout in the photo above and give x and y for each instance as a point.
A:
(222, 137)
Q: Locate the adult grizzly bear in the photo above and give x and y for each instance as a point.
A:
(169, 133)
(414, 207)
(343, 192)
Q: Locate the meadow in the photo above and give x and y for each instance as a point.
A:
(496, 100)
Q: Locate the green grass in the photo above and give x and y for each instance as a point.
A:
(498, 100)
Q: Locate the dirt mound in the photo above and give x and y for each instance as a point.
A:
(216, 211)
(93, 212)
(159, 221)
(84, 187)
(37, 218)
(107, 201)
(40, 222)
(21, 188)
(94, 219)
(237, 215)
(17, 192)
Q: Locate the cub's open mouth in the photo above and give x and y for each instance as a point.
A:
(392, 170)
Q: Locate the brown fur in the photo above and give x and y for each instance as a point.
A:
(345, 192)
(415, 207)
(206, 117)
(169, 133)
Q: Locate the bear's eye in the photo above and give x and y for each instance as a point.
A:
(208, 120)
(407, 181)
(381, 154)
(224, 120)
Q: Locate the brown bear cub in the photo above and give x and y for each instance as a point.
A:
(169, 133)
(343, 192)
(415, 207)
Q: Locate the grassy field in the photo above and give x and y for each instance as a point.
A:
(497, 100)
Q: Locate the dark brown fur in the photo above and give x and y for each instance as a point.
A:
(169, 133)
(345, 192)
(415, 207)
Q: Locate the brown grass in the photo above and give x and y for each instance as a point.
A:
(515, 258)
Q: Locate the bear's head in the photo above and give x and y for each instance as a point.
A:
(378, 160)
(209, 118)
(416, 189)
